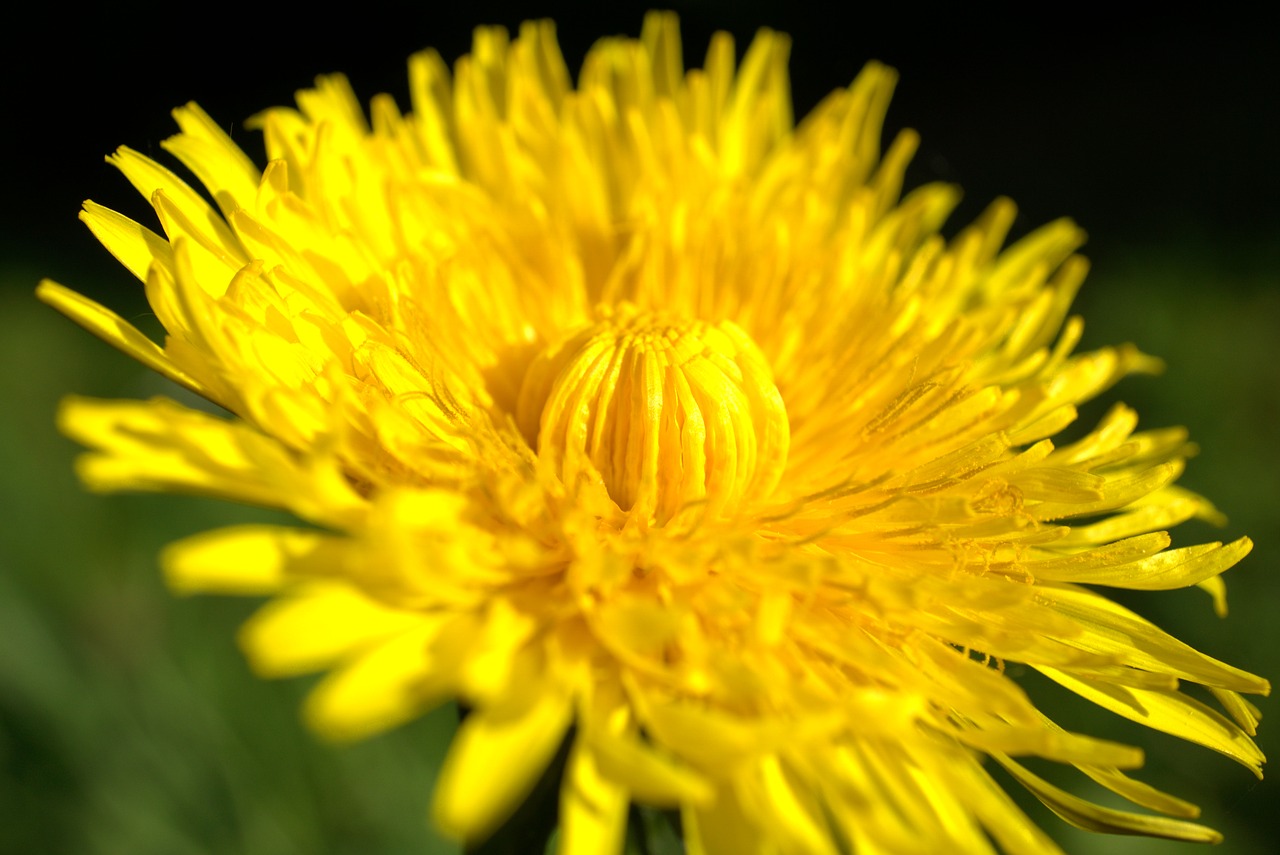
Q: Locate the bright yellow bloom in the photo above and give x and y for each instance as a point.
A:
(635, 412)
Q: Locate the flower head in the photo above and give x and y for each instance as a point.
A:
(635, 414)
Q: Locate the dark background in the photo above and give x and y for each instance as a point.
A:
(1139, 127)
(127, 720)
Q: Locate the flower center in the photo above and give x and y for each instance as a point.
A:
(667, 410)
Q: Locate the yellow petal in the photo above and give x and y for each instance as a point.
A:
(1056, 745)
(149, 177)
(1116, 493)
(722, 827)
(211, 262)
(707, 737)
(1174, 568)
(495, 760)
(135, 246)
(209, 152)
(1244, 713)
(158, 445)
(115, 331)
(315, 625)
(1217, 590)
(649, 776)
(381, 688)
(249, 559)
(789, 812)
(593, 808)
(1163, 513)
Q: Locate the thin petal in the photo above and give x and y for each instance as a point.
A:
(1169, 711)
(115, 331)
(1091, 817)
(134, 245)
(1141, 793)
(1110, 629)
(1174, 568)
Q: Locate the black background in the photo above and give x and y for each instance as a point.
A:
(1143, 128)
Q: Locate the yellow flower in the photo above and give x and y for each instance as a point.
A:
(634, 414)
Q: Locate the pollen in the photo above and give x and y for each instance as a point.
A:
(667, 411)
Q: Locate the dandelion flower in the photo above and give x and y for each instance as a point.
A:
(637, 417)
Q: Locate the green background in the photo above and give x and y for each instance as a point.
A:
(128, 721)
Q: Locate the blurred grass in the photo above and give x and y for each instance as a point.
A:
(129, 723)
